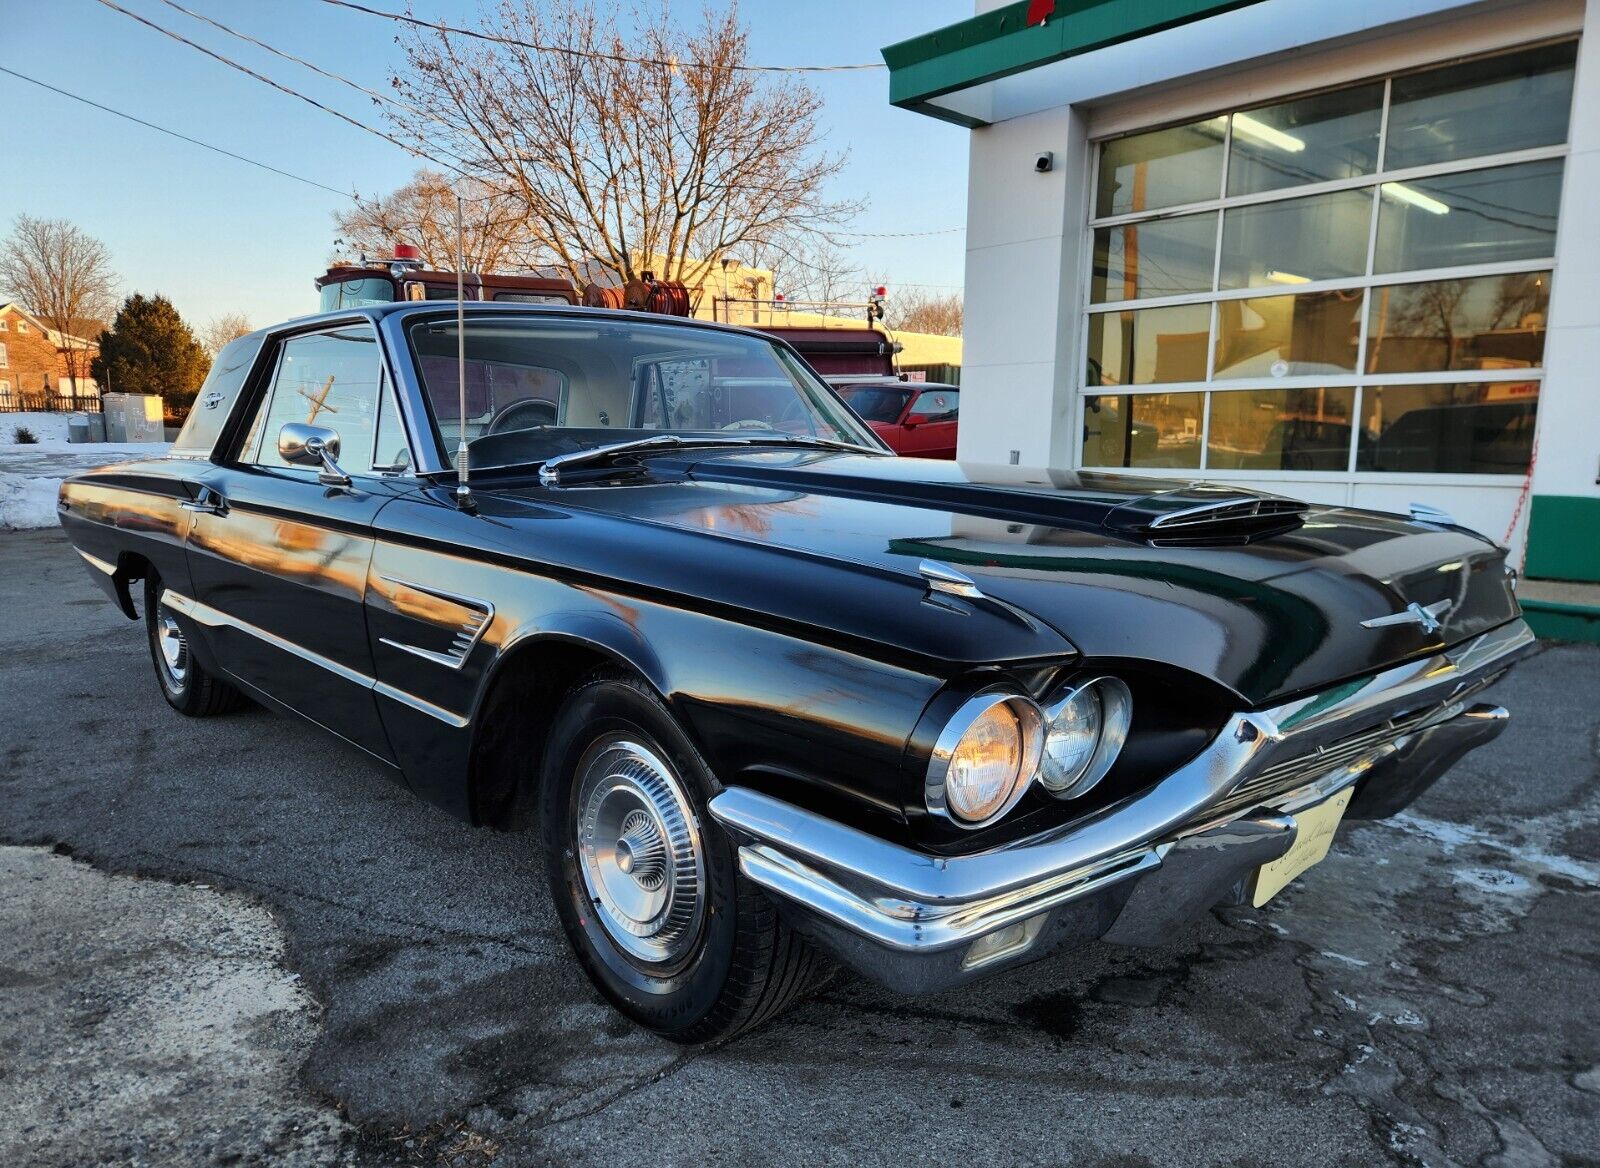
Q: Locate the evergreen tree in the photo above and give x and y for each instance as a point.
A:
(149, 349)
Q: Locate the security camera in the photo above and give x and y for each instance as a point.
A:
(1043, 161)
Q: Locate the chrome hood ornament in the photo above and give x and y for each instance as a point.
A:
(1430, 617)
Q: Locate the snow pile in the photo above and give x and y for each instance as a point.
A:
(44, 426)
(31, 475)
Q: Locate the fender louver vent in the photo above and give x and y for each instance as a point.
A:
(420, 602)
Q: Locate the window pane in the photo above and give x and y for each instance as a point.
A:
(1161, 258)
(1281, 429)
(1323, 237)
(1312, 139)
(1492, 322)
(1448, 429)
(1477, 217)
(1146, 429)
(326, 379)
(1510, 102)
(1283, 336)
(391, 452)
(1163, 168)
(1149, 345)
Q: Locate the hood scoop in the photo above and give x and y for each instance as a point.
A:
(1178, 518)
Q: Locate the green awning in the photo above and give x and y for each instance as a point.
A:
(931, 73)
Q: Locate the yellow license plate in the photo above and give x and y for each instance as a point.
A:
(1311, 843)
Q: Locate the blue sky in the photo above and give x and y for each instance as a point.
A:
(217, 236)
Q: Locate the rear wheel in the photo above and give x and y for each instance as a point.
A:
(647, 887)
(185, 683)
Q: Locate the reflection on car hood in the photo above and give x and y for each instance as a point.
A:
(1267, 604)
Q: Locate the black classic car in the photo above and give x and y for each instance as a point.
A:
(766, 697)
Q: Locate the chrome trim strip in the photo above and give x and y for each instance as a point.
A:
(384, 689)
(900, 897)
(468, 634)
(216, 618)
(97, 562)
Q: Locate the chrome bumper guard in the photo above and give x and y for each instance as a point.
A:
(1132, 871)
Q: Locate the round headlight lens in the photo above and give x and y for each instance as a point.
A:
(1071, 738)
(1086, 725)
(986, 758)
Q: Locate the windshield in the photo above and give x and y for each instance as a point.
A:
(357, 293)
(876, 403)
(538, 386)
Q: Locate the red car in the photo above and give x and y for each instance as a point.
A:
(915, 418)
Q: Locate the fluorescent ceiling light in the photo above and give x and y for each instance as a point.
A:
(1416, 198)
(1286, 277)
(1261, 132)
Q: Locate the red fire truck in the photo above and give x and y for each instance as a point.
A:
(833, 352)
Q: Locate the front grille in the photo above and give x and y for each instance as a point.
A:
(1282, 777)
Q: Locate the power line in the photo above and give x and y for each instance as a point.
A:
(897, 234)
(455, 30)
(311, 182)
(374, 94)
(249, 72)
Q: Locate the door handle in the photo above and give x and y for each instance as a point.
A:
(207, 502)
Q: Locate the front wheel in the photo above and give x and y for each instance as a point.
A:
(647, 888)
(186, 684)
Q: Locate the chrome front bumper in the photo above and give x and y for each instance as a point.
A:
(919, 922)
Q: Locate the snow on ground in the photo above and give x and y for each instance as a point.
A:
(31, 475)
(43, 426)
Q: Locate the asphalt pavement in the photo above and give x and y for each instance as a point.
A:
(1430, 994)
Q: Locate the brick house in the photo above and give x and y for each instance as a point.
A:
(34, 360)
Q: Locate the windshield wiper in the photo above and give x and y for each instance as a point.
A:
(550, 470)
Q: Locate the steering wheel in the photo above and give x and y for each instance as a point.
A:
(796, 419)
(747, 424)
(523, 415)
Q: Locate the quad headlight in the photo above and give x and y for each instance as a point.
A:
(985, 758)
(1086, 723)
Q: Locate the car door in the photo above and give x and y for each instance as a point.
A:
(278, 558)
(930, 423)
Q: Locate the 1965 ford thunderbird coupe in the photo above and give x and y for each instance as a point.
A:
(766, 697)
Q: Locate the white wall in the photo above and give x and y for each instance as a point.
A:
(1569, 406)
(1024, 243)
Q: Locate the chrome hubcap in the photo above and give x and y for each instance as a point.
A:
(174, 649)
(639, 851)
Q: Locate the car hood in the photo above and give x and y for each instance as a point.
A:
(1265, 596)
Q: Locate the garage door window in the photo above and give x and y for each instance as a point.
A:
(1354, 280)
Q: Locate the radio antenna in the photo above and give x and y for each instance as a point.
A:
(463, 489)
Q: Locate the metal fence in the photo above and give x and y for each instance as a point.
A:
(48, 401)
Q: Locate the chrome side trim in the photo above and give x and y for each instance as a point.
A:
(421, 705)
(215, 618)
(97, 562)
(468, 635)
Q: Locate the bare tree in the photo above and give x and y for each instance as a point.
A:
(918, 310)
(63, 275)
(656, 154)
(495, 233)
(230, 326)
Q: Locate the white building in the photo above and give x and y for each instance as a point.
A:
(1346, 251)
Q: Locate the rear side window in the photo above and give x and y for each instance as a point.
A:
(215, 400)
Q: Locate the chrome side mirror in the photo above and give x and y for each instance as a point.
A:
(301, 444)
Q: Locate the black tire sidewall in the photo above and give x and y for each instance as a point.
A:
(667, 1004)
